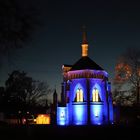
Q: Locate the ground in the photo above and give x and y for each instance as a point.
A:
(69, 132)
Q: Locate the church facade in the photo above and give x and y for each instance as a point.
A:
(86, 93)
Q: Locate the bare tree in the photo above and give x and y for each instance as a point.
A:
(17, 21)
(22, 92)
(128, 71)
(39, 93)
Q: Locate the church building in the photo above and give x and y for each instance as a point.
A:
(86, 93)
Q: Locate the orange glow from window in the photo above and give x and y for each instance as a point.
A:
(43, 119)
(123, 72)
(95, 95)
(79, 95)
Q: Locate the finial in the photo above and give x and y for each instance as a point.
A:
(84, 41)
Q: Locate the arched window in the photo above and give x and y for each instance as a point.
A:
(79, 95)
(95, 95)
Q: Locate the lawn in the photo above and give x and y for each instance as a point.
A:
(69, 132)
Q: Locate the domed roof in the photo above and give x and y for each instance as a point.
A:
(85, 63)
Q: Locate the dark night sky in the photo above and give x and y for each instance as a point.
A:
(112, 26)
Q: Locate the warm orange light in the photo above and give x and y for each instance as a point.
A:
(43, 119)
(84, 49)
(122, 69)
(78, 95)
(81, 95)
(95, 95)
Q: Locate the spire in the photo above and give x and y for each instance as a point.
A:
(84, 43)
(55, 97)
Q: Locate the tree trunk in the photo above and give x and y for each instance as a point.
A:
(137, 93)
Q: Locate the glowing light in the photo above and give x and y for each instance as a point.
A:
(96, 114)
(79, 95)
(61, 116)
(94, 99)
(95, 95)
(24, 121)
(19, 111)
(43, 119)
(84, 50)
(123, 72)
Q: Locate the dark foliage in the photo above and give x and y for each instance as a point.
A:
(128, 73)
(17, 21)
(22, 93)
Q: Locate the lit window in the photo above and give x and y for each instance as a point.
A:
(43, 119)
(95, 95)
(79, 95)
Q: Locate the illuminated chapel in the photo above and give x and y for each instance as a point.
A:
(86, 93)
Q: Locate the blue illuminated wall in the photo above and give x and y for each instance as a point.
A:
(78, 109)
(61, 115)
(79, 114)
(83, 113)
(96, 113)
(100, 107)
(111, 117)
